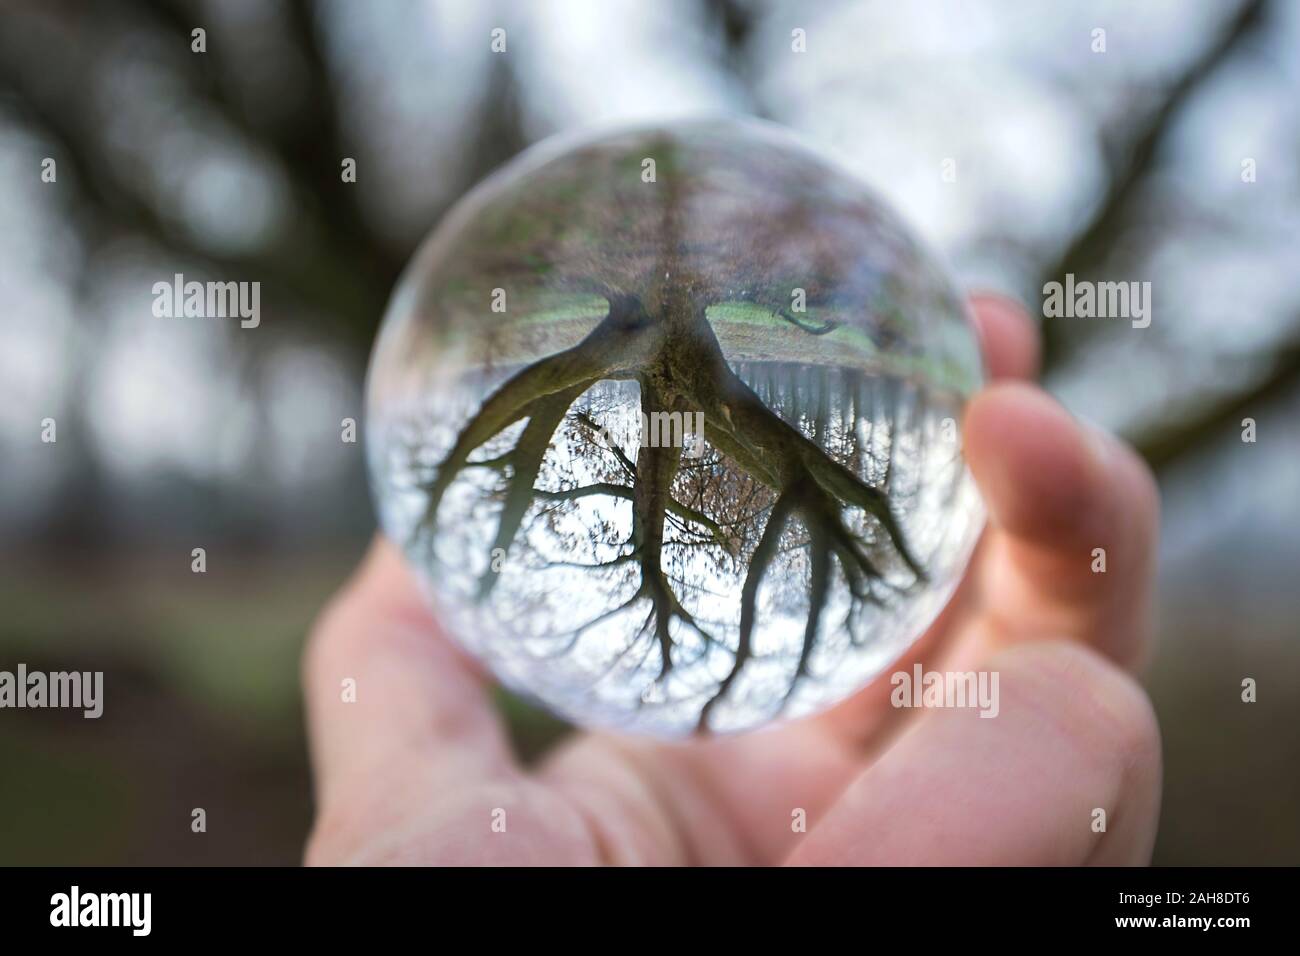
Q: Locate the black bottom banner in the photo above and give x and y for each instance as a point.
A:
(239, 905)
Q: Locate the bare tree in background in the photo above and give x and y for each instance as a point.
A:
(330, 266)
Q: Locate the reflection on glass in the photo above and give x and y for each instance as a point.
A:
(667, 421)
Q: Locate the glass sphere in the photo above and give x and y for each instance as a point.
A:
(666, 421)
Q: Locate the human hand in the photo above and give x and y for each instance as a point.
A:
(418, 768)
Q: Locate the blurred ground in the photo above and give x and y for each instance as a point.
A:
(205, 712)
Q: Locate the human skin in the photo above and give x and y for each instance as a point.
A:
(417, 770)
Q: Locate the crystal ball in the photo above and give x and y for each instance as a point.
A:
(666, 422)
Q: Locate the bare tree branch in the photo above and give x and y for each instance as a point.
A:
(1130, 168)
(1166, 445)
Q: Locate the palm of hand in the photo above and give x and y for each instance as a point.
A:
(418, 770)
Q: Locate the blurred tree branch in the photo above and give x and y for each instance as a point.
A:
(326, 260)
(1163, 445)
(1130, 165)
(310, 149)
(113, 209)
(310, 146)
(734, 19)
